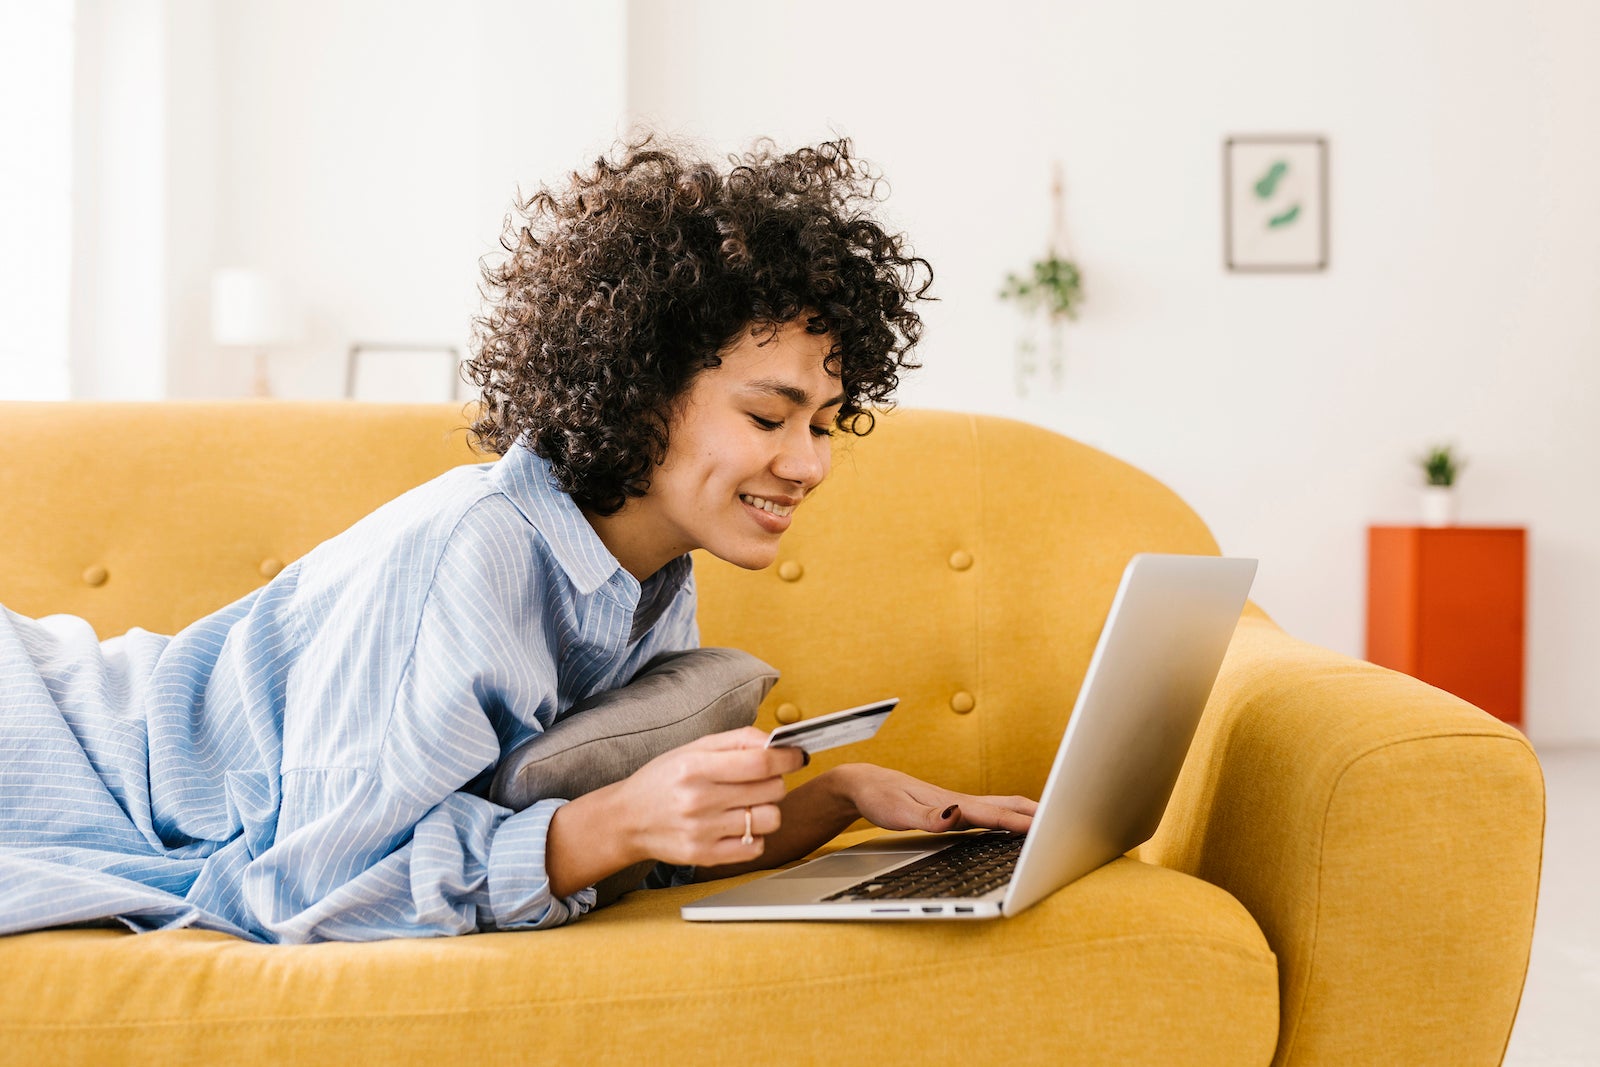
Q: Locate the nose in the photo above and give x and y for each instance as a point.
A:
(803, 457)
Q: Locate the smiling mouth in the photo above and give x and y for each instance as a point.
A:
(766, 505)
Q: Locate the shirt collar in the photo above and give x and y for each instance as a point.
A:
(526, 479)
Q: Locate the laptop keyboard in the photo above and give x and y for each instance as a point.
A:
(969, 868)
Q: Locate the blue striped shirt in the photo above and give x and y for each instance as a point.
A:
(309, 762)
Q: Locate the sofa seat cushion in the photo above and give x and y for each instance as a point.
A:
(1133, 963)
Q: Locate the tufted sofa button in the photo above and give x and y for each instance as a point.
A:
(960, 560)
(790, 571)
(96, 575)
(962, 702)
(270, 568)
(788, 713)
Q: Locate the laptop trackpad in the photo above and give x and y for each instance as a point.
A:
(844, 865)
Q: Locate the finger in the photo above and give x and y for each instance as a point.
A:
(733, 766)
(980, 813)
(764, 819)
(743, 737)
(730, 850)
(713, 800)
(1023, 804)
(746, 795)
(993, 805)
(749, 737)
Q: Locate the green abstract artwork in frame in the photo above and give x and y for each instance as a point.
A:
(1275, 203)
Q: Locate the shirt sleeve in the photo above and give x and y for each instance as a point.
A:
(377, 836)
(358, 874)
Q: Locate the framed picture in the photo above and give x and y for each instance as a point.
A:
(1275, 203)
(403, 374)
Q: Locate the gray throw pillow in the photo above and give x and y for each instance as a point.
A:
(676, 698)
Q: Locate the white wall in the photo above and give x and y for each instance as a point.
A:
(367, 151)
(191, 197)
(364, 153)
(1461, 301)
(36, 65)
(119, 307)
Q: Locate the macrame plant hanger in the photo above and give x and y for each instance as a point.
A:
(1058, 253)
(1052, 286)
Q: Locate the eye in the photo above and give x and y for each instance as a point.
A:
(822, 431)
(765, 424)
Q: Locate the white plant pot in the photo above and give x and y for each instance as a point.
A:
(1439, 505)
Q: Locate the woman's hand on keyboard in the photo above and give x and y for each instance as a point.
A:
(898, 801)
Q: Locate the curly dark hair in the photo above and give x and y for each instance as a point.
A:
(620, 288)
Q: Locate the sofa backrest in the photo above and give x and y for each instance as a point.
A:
(963, 563)
(156, 514)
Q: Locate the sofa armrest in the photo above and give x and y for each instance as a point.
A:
(1386, 836)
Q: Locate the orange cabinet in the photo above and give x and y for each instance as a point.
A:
(1447, 605)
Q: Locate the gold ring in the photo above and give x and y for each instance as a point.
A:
(748, 838)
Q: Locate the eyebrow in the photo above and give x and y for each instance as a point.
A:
(792, 393)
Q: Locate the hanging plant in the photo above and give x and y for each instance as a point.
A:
(1052, 285)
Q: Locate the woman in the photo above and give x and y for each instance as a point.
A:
(667, 350)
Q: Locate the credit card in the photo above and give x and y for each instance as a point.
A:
(834, 729)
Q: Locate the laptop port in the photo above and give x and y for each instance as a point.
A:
(962, 909)
(931, 909)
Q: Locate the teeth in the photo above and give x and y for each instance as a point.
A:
(765, 504)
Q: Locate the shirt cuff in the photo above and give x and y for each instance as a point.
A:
(519, 887)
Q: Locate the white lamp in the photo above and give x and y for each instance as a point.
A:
(249, 310)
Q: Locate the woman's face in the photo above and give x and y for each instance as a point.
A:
(746, 444)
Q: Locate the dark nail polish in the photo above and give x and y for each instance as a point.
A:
(951, 810)
(805, 758)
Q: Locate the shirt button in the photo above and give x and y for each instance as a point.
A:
(96, 575)
(959, 560)
(788, 713)
(962, 703)
(790, 571)
(270, 568)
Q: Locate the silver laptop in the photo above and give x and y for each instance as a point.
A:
(1137, 711)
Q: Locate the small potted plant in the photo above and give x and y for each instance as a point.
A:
(1440, 466)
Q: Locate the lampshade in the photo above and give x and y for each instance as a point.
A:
(248, 308)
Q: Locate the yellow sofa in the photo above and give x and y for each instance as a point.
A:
(1346, 874)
